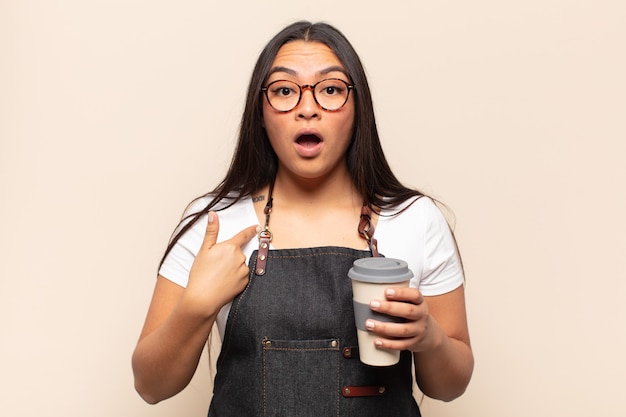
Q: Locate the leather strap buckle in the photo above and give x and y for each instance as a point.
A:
(265, 237)
(363, 391)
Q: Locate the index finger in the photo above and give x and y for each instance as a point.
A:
(245, 235)
(412, 295)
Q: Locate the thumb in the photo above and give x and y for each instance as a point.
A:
(212, 229)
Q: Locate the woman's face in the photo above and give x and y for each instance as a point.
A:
(310, 142)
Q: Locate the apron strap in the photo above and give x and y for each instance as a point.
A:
(365, 229)
(265, 236)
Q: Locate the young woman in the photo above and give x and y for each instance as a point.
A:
(266, 254)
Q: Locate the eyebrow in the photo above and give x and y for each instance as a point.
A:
(325, 71)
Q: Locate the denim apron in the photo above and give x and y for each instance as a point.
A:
(290, 344)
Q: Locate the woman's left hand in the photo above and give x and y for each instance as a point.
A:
(417, 334)
(435, 331)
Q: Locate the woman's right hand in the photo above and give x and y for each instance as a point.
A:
(180, 319)
(219, 272)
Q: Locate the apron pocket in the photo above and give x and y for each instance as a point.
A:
(288, 386)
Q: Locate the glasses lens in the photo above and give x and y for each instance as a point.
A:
(332, 93)
(283, 95)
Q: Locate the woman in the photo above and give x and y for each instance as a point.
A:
(310, 169)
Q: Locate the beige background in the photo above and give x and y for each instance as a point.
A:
(114, 114)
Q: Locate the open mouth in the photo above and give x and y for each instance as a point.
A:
(308, 140)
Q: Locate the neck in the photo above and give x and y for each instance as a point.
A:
(328, 190)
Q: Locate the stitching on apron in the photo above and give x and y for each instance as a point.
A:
(264, 382)
(338, 373)
(312, 255)
(302, 349)
(227, 337)
(338, 387)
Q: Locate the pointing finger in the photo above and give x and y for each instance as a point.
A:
(243, 237)
(212, 229)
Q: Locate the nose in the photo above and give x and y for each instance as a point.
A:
(307, 108)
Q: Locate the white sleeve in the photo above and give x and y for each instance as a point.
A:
(442, 271)
(419, 234)
(177, 263)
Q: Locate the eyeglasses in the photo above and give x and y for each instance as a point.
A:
(330, 94)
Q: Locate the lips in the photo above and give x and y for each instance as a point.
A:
(308, 144)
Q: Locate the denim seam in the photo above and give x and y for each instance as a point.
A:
(302, 349)
(314, 255)
(235, 313)
(264, 382)
(338, 387)
(338, 373)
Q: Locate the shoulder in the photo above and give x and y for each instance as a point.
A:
(418, 232)
(233, 215)
(414, 212)
(233, 218)
(420, 220)
(407, 223)
(201, 203)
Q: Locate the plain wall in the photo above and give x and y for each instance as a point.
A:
(115, 114)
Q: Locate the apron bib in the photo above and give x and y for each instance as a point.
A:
(290, 345)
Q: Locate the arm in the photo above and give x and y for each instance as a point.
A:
(437, 333)
(446, 369)
(170, 343)
(180, 319)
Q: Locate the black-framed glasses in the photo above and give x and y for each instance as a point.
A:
(330, 94)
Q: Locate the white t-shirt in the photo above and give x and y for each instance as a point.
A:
(419, 235)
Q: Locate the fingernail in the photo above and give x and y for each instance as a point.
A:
(374, 304)
(211, 217)
(258, 229)
(390, 292)
(378, 342)
(369, 324)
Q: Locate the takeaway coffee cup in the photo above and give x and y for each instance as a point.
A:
(370, 277)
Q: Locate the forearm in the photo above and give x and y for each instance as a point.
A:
(444, 371)
(166, 359)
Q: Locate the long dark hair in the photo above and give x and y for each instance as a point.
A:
(254, 163)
